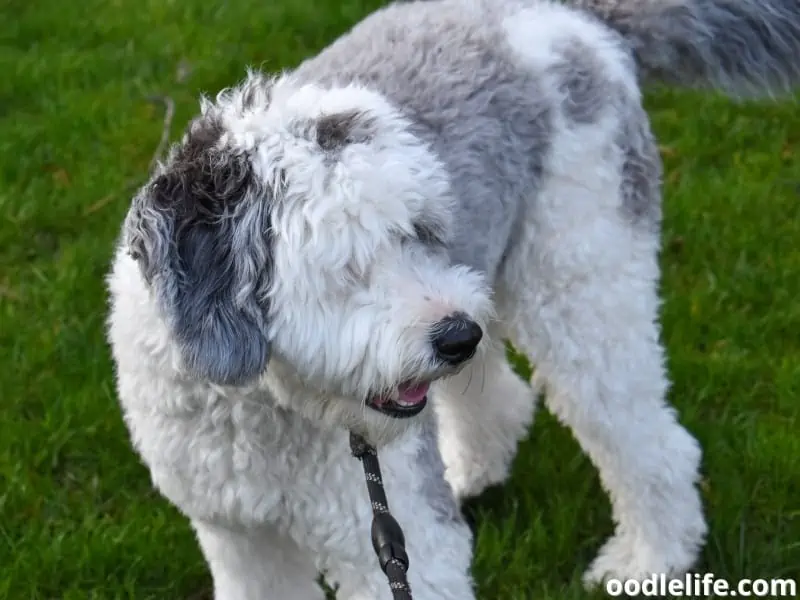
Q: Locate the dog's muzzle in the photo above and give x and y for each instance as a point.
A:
(455, 340)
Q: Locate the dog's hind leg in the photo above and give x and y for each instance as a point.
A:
(256, 564)
(483, 413)
(579, 294)
(594, 341)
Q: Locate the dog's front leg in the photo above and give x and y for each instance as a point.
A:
(484, 411)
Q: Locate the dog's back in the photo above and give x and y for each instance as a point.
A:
(450, 66)
(743, 47)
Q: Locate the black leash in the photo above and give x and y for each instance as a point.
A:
(387, 536)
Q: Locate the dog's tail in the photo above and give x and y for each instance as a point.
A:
(742, 47)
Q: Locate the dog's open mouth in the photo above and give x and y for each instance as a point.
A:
(407, 400)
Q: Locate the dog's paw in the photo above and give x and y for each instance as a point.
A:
(472, 468)
(471, 478)
(624, 557)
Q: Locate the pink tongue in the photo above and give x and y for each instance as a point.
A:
(413, 394)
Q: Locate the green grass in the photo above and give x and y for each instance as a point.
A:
(78, 518)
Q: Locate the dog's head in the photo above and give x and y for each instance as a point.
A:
(298, 237)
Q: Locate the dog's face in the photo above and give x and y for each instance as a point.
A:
(297, 238)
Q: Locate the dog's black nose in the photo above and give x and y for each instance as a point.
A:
(456, 338)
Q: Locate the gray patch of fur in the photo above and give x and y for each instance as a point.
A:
(341, 129)
(641, 171)
(454, 77)
(202, 242)
(743, 47)
(584, 86)
(435, 489)
(430, 233)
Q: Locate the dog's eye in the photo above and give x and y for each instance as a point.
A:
(427, 235)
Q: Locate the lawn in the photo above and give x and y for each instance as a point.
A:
(80, 120)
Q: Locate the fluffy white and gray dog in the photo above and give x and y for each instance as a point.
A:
(338, 246)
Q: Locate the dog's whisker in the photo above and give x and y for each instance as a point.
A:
(483, 377)
(469, 379)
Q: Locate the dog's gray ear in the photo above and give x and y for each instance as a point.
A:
(200, 233)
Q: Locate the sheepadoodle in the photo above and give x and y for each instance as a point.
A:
(345, 246)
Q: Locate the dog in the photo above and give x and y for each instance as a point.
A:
(347, 245)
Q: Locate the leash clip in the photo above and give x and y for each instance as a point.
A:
(388, 540)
